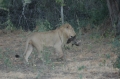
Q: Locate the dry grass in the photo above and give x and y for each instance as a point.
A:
(92, 60)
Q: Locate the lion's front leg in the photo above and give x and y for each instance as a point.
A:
(59, 52)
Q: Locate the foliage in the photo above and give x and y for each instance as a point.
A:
(81, 68)
(116, 46)
(77, 12)
(43, 26)
(27, 1)
(98, 13)
(5, 3)
(10, 25)
(117, 63)
(61, 2)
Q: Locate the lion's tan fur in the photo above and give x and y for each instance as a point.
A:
(54, 38)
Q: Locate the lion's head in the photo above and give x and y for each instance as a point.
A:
(68, 30)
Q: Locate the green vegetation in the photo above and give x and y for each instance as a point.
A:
(81, 68)
(46, 14)
(81, 76)
(116, 48)
(43, 26)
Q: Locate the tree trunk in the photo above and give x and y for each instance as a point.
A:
(114, 10)
(62, 14)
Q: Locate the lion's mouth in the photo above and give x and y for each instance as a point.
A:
(71, 39)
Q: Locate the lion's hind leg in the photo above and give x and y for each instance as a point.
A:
(28, 52)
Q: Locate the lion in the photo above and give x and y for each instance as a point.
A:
(55, 38)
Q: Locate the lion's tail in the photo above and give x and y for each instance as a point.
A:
(26, 48)
(17, 56)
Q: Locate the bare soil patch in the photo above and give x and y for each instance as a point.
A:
(93, 59)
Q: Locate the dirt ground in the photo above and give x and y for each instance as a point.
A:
(93, 59)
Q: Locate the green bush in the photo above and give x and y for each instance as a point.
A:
(84, 11)
(98, 13)
(116, 47)
(43, 25)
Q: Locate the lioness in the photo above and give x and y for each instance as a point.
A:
(55, 38)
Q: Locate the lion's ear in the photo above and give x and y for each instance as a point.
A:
(67, 26)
